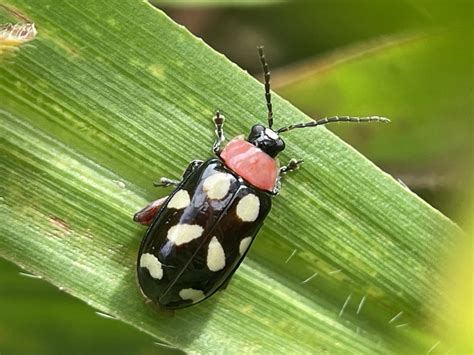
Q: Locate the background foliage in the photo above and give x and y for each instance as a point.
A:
(404, 60)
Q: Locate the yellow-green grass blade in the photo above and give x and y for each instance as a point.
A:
(109, 97)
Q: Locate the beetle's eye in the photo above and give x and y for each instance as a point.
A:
(256, 132)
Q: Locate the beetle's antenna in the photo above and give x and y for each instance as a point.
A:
(268, 95)
(334, 119)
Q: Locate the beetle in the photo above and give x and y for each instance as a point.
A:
(199, 234)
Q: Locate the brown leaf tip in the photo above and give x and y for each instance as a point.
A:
(17, 33)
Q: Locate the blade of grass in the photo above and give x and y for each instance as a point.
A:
(214, 3)
(109, 97)
(421, 80)
(55, 323)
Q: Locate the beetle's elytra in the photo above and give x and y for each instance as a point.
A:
(200, 233)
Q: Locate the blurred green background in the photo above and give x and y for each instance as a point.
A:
(411, 61)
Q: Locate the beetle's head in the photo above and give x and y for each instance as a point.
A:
(266, 139)
(269, 140)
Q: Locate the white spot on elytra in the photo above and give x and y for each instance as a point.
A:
(151, 262)
(215, 255)
(179, 200)
(191, 294)
(270, 133)
(217, 186)
(248, 208)
(244, 245)
(184, 233)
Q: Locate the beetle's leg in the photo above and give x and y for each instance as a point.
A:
(219, 123)
(293, 164)
(165, 182)
(191, 167)
(147, 214)
(277, 188)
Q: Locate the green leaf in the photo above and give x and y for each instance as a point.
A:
(422, 81)
(55, 323)
(214, 3)
(109, 97)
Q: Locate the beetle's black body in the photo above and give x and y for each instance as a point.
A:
(200, 233)
(185, 266)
